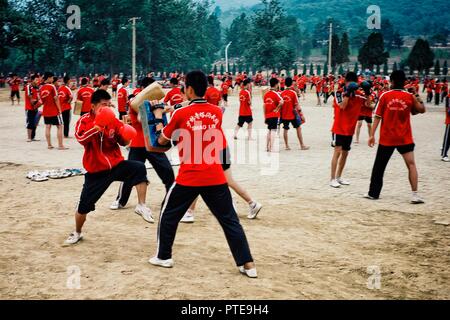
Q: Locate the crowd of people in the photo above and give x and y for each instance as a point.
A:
(384, 103)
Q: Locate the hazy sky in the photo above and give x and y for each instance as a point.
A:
(227, 4)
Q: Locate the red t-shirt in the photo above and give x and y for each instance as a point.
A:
(85, 95)
(115, 83)
(15, 84)
(31, 93)
(345, 120)
(174, 96)
(394, 108)
(366, 111)
(138, 141)
(136, 91)
(198, 129)
(213, 95)
(225, 87)
(65, 95)
(245, 99)
(272, 100)
(122, 99)
(48, 93)
(290, 101)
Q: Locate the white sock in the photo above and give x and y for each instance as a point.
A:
(252, 204)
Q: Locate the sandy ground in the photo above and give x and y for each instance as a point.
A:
(310, 241)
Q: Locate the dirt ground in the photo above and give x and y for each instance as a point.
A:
(310, 241)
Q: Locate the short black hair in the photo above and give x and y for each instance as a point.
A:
(34, 76)
(105, 82)
(100, 95)
(247, 81)
(66, 79)
(145, 82)
(288, 81)
(398, 78)
(174, 81)
(273, 82)
(210, 79)
(84, 81)
(124, 80)
(48, 75)
(197, 80)
(351, 77)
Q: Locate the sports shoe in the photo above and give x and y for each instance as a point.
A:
(335, 184)
(415, 199)
(116, 205)
(145, 213)
(161, 263)
(343, 182)
(367, 196)
(255, 208)
(251, 273)
(188, 217)
(446, 159)
(73, 238)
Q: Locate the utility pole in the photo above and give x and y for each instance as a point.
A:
(329, 49)
(133, 55)
(226, 56)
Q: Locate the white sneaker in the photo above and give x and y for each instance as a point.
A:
(415, 199)
(188, 217)
(335, 184)
(446, 159)
(161, 263)
(73, 238)
(116, 205)
(251, 273)
(254, 210)
(145, 213)
(367, 196)
(343, 182)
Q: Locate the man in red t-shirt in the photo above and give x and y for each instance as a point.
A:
(366, 110)
(273, 102)
(446, 144)
(394, 112)
(198, 130)
(290, 114)
(115, 81)
(174, 96)
(245, 109)
(31, 106)
(101, 136)
(65, 99)
(138, 152)
(347, 108)
(51, 110)
(84, 95)
(14, 84)
(122, 98)
(212, 94)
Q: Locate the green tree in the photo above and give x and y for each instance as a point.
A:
(397, 41)
(386, 69)
(372, 52)
(215, 69)
(325, 68)
(238, 33)
(319, 70)
(356, 68)
(445, 68)
(395, 67)
(344, 49)
(311, 69)
(341, 70)
(305, 69)
(335, 50)
(421, 56)
(222, 69)
(437, 68)
(387, 29)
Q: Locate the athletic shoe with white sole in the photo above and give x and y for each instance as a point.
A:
(335, 184)
(255, 208)
(145, 213)
(73, 238)
(161, 263)
(446, 159)
(343, 182)
(367, 196)
(188, 217)
(251, 273)
(415, 199)
(116, 205)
